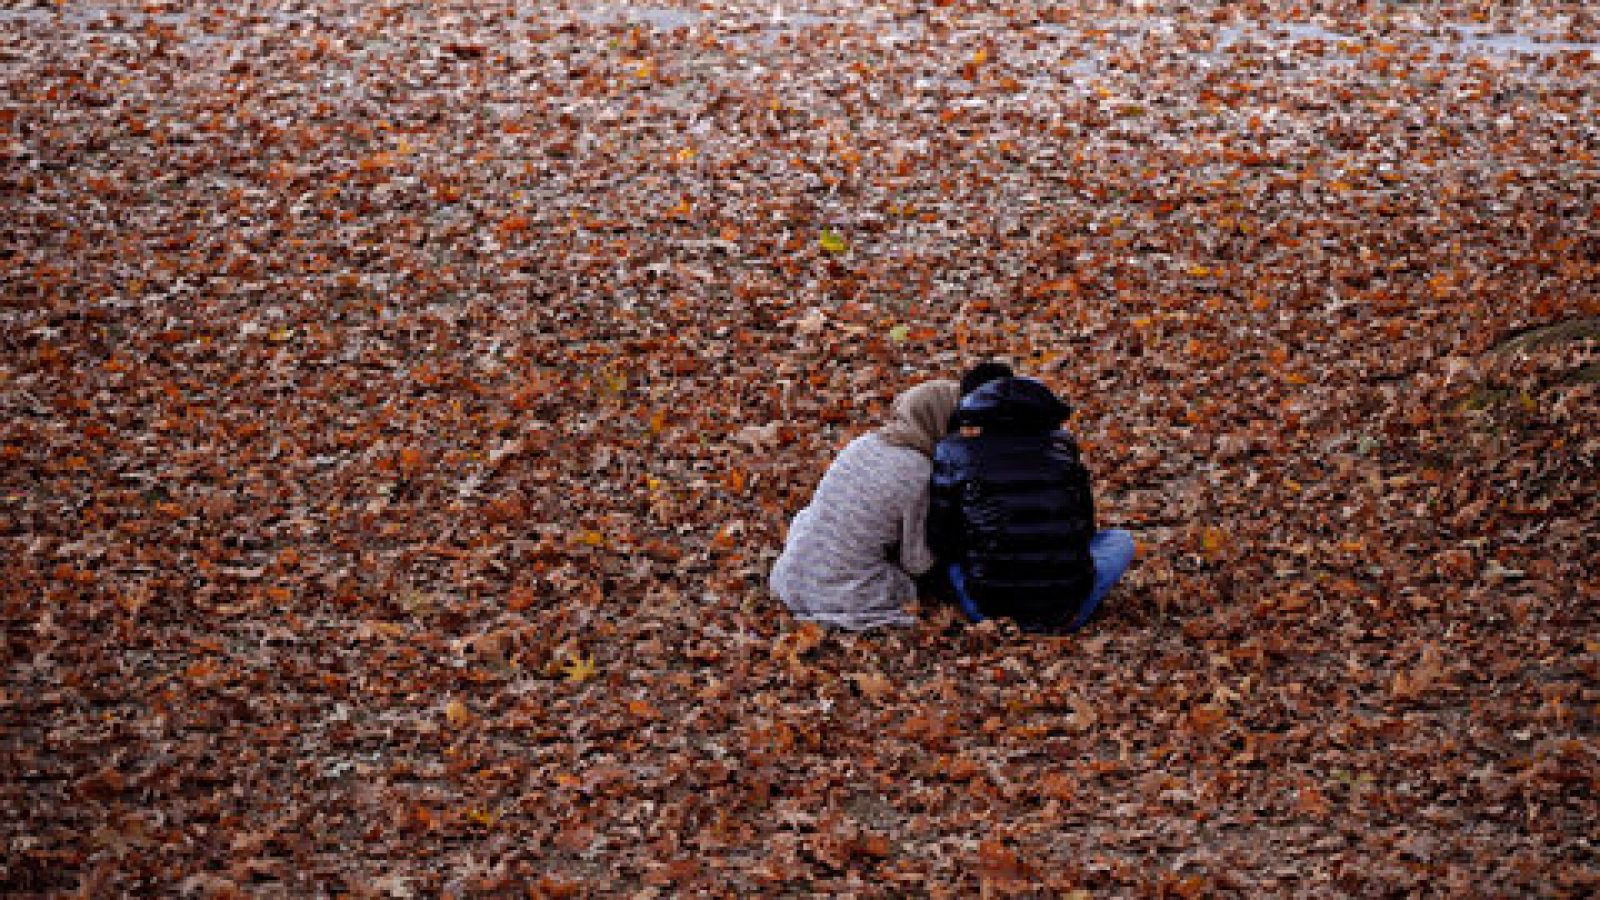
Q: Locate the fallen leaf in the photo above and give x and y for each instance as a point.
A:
(872, 685)
(579, 669)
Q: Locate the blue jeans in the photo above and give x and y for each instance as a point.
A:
(1112, 549)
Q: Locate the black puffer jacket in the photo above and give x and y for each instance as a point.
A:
(1011, 504)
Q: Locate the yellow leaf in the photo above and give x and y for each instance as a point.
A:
(578, 669)
(457, 714)
(591, 538)
(482, 817)
(281, 335)
(1212, 539)
(899, 333)
(832, 241)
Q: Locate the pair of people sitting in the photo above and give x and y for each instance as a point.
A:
(975, 484)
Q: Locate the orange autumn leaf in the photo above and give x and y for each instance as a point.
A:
(996, 860)
(1312, 801)
(412, 461)
(1207, 717)
(1057, 786)
(873, 845)
(520, 598)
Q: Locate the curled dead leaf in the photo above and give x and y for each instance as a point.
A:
(875, 686)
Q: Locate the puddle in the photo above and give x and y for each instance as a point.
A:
(1097, 41)
(766, 30)
(661, 18)
(1277, 36)
(1478, 40)
(1286, 36)
(666, 18)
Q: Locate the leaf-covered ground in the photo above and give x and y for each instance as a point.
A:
(401, 403)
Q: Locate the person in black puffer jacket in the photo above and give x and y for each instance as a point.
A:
(1012, 514)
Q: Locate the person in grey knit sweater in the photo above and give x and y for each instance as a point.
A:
(852, 554)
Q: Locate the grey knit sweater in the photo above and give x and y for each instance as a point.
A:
(836, 566)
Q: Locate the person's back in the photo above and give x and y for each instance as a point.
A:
(852, 553)
(836, 567)
(1011, 507)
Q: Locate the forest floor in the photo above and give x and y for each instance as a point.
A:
(401, 404)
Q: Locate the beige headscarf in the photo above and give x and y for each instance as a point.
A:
(919, 416)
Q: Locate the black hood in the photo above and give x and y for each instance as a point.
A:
(1012, 405)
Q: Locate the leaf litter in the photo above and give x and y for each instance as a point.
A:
(402, 403)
